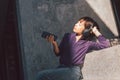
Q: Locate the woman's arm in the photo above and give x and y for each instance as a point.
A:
(96, 32)
(102, 42)
(54, 43)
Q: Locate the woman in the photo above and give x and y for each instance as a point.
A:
(72, 50)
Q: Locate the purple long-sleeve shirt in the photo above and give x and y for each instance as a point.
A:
(73, 53)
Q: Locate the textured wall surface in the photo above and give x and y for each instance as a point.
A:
(103, 64)
(58, 17)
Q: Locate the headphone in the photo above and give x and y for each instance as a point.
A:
(87, 32)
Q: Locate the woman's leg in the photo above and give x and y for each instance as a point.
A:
(68, 73)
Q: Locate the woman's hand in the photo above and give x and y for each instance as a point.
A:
(54, 43)
(50, 39)
(96, 31)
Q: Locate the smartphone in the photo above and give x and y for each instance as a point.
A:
(45, 34)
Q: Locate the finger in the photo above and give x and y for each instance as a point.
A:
(94, 29)
(51, 37)
(47, 37)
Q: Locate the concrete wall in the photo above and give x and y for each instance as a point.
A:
(58, 17)
(103, 64)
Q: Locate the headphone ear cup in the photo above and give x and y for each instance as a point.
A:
(86, 32)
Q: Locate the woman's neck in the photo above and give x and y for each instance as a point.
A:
(78, 37)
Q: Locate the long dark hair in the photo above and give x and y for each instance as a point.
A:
(88, 24)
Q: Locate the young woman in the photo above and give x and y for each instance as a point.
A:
(72, 50)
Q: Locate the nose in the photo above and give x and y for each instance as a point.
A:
(76, 24)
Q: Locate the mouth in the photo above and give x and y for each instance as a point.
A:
(74, 28)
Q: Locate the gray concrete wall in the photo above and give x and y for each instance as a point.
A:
(58, 17)
(103, 64)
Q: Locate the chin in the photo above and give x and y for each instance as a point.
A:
(74, 30)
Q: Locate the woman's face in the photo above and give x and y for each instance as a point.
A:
(79, 27)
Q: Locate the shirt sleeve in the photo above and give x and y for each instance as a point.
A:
(101, 44)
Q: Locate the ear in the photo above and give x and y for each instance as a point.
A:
(91, 27)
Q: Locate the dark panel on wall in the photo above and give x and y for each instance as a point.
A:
(3, 13)
(116, 8)
(10, 63)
